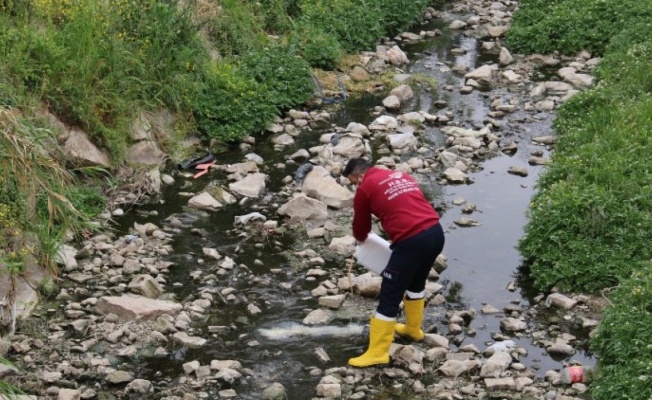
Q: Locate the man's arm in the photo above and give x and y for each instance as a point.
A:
(361, 216)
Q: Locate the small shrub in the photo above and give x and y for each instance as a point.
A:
(277, 14)
(399, 15)
(237, 29)
(318, 48)
(285, 77)
(230, 104)
(357, 24)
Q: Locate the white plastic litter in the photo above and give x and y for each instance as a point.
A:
(373, 253)
(504, 345)
(294, 330)
(245, 219)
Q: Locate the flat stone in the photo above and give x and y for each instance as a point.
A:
(500, 384)
(116, 377)
(518, 171)
(189, 341)
(134, 308)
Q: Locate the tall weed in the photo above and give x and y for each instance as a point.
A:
(31, 194)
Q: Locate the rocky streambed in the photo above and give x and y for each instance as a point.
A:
(242, 283)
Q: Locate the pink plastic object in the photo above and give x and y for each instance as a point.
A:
(198, 174)
(204, 166)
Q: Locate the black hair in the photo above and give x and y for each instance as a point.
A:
(356, 166)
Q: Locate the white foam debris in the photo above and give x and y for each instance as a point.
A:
(292, 329)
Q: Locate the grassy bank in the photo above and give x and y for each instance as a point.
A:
(591, 218)
(219, 63)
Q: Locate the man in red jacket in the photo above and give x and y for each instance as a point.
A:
(417, 239)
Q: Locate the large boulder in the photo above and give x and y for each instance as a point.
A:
(319, 184)
(204, 201)
(348, 145)
(146, 152)
(302, 207)
(483, 73)
(403, 93)
(404, 139)
(251, 185)
(79, 149)
(146, 285)
(396, 56)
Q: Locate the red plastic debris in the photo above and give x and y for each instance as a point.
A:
(203, 169)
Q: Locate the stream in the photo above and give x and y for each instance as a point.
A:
(482, 261)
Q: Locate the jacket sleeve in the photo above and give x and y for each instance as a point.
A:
(361, 216)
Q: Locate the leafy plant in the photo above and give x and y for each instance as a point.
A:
(588, 221)
(357, 24)
(283, 77)
(318, 48)
(237, 28)
(277, 14)
(572, 25)
(399, 15)
(123, 61)
(231, 104)
(622, 341)
(88, 200)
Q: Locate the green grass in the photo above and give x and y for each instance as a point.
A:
(623, 341)
(573, 25)
(32, 194)
(591, 218)
(96, 65)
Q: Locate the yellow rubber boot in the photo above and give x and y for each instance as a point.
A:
(381, 335)
(414, 318)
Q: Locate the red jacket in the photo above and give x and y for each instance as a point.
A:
(396, 199)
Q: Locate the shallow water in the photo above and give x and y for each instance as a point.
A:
(482, 260)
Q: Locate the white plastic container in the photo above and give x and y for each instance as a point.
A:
(374, 253)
